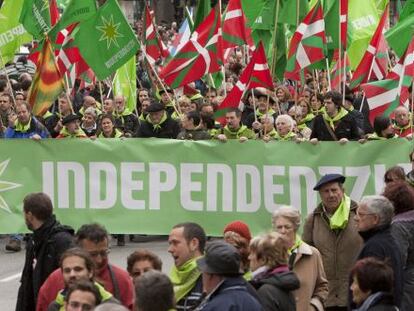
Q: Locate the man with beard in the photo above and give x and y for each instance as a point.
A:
(234, 129)
(76, 265)
(43, 248)
(94, 239)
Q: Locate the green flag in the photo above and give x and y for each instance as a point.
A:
(399, 36)
(261, 13)
(76, 11)
(106, 41)
(363, 20)
(125, 83)
(203, 8)
(35, 17)
(12, 33)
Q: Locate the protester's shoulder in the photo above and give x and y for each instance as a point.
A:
(119, 271)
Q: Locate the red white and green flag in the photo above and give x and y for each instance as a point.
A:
(47, 82)
(374, 63)
(308, 44)
(235, 29)
(201, 55)
(386, 95)
(256, 74)
(154, 48)
(339, 70)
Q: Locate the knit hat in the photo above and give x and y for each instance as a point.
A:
(240, 228)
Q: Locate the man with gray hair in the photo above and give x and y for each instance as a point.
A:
(373, 218)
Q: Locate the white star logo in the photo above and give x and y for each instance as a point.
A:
(109, 31)
(5, 186)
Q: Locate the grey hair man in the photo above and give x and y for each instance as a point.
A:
(154, 292)
(373, 217)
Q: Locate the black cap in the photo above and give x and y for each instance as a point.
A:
(259, 93)
(162, 91)
(328, 178)
(155, 107)
(220, 258)
(70, 118)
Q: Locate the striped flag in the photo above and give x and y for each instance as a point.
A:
(47, 83)
(201, 55)
(308, 43)
(154, 48)
(373, 65)
(235, 29)
(256, 74)
(386, 95)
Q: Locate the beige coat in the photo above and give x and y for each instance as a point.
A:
(338, 248)
(313, 289)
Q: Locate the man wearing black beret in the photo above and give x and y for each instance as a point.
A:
(158, 123)
(331, 228)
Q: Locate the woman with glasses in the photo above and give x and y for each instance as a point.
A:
(304, 260)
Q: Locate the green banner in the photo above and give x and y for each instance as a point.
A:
(148, 185)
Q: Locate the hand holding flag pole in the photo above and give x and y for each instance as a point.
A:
(3, 65)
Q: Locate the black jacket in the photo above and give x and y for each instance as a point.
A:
(127, 123)
(43, 250)
(379, 243)
(231, 295)
(274, 291)
(168, 129)
(344, 128)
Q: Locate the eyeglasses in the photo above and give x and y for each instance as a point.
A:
(82, 306)
(359, 214)
(102, 253)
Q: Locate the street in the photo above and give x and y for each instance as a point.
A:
(11, 264)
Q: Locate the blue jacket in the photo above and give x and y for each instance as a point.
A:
(232, 295)
(35, 128)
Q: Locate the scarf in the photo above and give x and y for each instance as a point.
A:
(319, 111)
(370, 301)
(288, 136)
(341, 113)
(115, 134)
(238, 132)
(156, 127)
(22, 128)
(374, 136)
(298, 242)
(78, 134)
(339, 219)
(184, 278)
(401, 129)
(268, 112)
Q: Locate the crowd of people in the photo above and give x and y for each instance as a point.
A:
(349, 256)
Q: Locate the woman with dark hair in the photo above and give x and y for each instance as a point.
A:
(192, 126)
(316, 103)
(393, 174)
(383, 129)
(107, 128)
(401, 194)
(371, 286)
(141, 261)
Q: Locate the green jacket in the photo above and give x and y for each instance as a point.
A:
(243, 131)
(58, 304)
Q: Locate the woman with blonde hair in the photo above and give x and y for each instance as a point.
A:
(271, 276)
(304, 260)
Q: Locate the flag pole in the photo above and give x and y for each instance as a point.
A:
(344, 82)
(369, 77)
(274, 54)
(412, 107)
(328, 74)
(2, 64)
(178, 111)
(254, 106)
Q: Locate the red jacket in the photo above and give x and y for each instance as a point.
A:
(55, 283)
